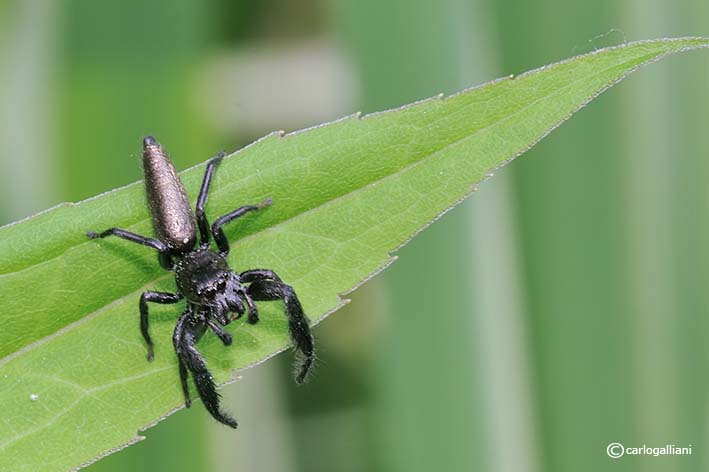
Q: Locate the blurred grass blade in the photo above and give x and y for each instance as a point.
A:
(73, 379)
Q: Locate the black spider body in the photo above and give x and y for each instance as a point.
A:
(204, 278)
(215, 294)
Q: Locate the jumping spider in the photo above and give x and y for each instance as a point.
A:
(203, 277)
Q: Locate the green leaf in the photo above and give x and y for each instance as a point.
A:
(74, 381)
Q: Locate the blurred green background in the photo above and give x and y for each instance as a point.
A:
(561, 308)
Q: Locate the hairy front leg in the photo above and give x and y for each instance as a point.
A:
(298, 323)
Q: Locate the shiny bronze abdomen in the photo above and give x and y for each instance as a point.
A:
(173, 219)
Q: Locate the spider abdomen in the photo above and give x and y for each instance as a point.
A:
(173, 219)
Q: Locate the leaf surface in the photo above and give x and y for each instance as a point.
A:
(74, 381)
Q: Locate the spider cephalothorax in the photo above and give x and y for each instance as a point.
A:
(215, 294)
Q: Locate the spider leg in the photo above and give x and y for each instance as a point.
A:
(219, 237)
(165, 260)
(250, 276)
(177, 342)
(259, 274)
(298, 323)
(219, 331)
(192, 330)
(253, 310)
(164, 256)
(154, 297)
(202, 199)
